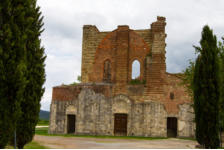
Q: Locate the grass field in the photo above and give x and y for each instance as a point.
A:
(43, 122)
(31, 145)
(44, 131)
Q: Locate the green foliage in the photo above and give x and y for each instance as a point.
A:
(221, 61)
(12, 65)
(31, 145)
(137, 81)
(22, 71)
(149, 54)
(187, 78)
(35, 145)
(206, 90)
(79, 78)
(35, 76)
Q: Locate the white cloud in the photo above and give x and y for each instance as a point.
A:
(63, 20)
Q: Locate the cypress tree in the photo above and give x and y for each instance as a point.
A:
(221, 56)
(198, 102)
(12, 65)
(35, 78)
(207, 91)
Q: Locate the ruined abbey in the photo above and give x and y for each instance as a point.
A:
(108, 101)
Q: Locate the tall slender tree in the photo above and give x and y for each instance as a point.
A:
(35, 76)
(206, 90)
(221, 56)
(198, 102)
(12, 65)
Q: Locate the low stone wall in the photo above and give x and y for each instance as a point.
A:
(95, 116)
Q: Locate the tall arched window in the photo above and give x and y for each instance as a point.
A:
(107, 71)
(135, 70)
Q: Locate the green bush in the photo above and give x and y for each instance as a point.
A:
(137, 81)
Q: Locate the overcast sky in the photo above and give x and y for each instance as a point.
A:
(64, 19)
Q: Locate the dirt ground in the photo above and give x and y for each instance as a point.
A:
(107, 143)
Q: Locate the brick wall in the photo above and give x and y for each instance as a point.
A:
(122, 46)
(90, 41)
(173, 84)
(68, 93)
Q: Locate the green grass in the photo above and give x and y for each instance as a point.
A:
(44, 131)
(34, 145)
(187, 138)
(43, 122)
(31, 145)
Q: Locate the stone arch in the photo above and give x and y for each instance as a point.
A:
(104, 51)
(70, 113)
(122, 97)
(107, 49)
(121, 104)
(71, 110)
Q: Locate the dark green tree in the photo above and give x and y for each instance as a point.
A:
(206, 90)
(187, 78)
(35, 76)
(12, 65)
(198, 102)
(221, 61)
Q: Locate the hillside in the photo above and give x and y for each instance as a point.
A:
(44, 115)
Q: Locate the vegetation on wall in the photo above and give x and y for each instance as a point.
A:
(137, 81)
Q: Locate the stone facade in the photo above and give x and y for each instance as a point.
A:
(157, 104)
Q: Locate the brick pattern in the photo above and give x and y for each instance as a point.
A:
(122, 46)
(90, 41)
(94, 102)
(173, 84)
(68, 93)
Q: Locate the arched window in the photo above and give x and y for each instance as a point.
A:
(107, 71)
(135, 70)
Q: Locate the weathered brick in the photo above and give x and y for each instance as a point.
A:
(148, 104)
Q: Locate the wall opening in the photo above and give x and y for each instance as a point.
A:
(171, 127)
(171, 95)
(120, 124)
(107, 71)
(135, 70)
(71, 123)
